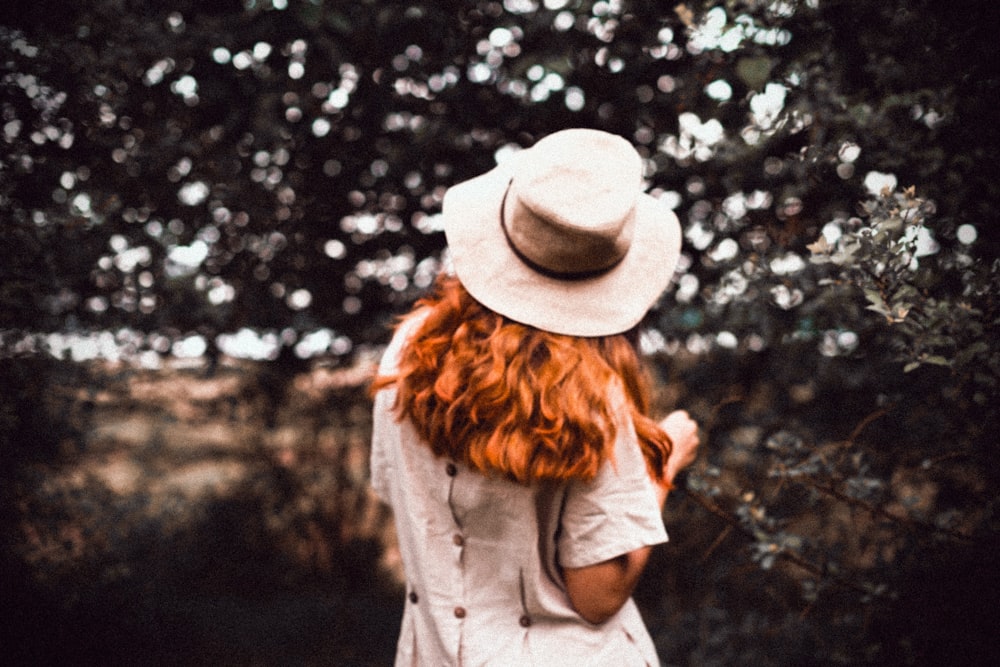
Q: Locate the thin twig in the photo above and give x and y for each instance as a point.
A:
(863, 423)
(886, 514)
(720, 538)
(812, 568)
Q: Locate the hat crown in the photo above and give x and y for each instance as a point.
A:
(572, 202)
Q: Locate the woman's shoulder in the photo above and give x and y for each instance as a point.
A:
(405, 331)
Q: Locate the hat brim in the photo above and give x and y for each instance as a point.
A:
(608, 304)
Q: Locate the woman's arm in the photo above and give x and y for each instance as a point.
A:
(598, 591)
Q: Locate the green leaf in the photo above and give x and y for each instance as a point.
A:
(755, 71)
(939, 341)
(881, 310)
(979, 347)
(878, 304)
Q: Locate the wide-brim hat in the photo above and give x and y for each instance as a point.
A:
(561, 237)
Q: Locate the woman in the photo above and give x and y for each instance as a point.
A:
(510, 431)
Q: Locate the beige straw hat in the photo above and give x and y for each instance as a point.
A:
(561, 237)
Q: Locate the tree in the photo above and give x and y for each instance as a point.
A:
(186, 169)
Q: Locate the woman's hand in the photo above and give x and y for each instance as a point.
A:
(683, 432)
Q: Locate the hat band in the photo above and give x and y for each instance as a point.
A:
(538, 268)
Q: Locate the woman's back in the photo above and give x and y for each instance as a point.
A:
(483, 554)
(511, 436)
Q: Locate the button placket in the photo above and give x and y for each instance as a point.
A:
(457, 538)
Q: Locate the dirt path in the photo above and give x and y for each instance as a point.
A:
(199, 520)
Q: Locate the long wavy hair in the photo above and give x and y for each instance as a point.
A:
(507, 398)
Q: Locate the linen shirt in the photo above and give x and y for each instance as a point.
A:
(482, 554)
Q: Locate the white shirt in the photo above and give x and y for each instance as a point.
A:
(482, 554)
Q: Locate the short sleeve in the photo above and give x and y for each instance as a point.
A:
(384, 425)
(615, 513)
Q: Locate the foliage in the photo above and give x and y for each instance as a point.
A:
(941, 305)
(261, 178)
(177, 528)
(277, 167)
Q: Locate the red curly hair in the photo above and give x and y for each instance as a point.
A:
(507, 398)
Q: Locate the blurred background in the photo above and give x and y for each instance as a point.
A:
(212, 212)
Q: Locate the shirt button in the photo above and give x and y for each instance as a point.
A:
(525, 621)
(458, 540)
(451, 469)
(413, 597)
(459, 612)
